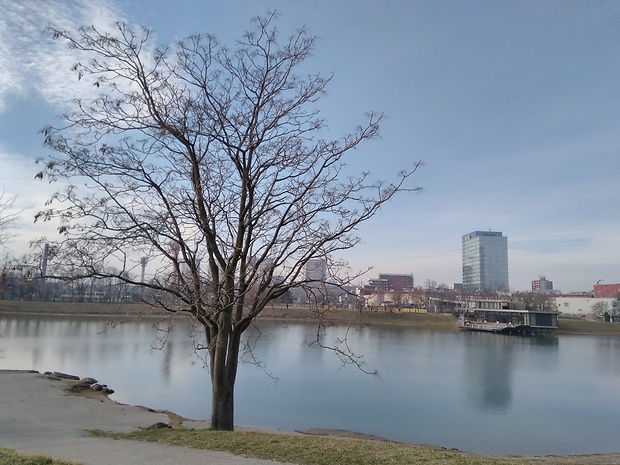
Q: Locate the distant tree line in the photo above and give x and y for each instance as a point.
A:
(19, 282)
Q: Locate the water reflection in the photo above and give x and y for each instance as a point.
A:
(489, 362)
(608, 357)
(552, 395)
(488, 371)
(166, 369)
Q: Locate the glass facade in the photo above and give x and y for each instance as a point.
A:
(485, 261)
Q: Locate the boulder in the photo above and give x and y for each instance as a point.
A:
(80, 387)
(159, 425)
(102, 388)
(58, 374)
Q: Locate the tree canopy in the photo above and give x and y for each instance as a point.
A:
(209, 163)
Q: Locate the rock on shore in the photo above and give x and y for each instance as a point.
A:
(82, 385)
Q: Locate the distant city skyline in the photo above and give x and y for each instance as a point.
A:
(512, 106)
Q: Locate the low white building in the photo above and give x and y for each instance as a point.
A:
(394, 299)
(580, 305)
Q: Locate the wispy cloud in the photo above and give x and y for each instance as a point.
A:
(31, 63)
(17, 180)
(37, 68)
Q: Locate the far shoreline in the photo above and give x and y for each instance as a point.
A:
(392, 317)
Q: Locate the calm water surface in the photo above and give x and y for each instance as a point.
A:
(478, 392)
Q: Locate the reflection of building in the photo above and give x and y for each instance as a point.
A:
(489, 370)
(316, 269)
(491, 365)
(542, 285)
(485, 261)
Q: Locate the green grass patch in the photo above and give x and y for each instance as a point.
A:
(10, 457)
(306, 450)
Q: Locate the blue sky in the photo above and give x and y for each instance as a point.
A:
(514, 106)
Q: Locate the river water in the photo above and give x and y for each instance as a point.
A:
(478, 392)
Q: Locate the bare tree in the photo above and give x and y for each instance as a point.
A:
(615, 307)
(536, 300)
(599, 309)
(210, 161)
(8, 216)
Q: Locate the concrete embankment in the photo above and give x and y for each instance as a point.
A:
(39, 418)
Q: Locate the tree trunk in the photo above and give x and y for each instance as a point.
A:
(223, 374)
(222, 405)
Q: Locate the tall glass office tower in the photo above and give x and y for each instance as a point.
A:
(485, 261)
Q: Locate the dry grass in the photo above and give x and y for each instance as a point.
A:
(10, 457)
(582, 326)
(29, 307)
(298, 313)
(444, 322)
(303, 450)
(321, 450)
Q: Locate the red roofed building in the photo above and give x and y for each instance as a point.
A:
(610, 291)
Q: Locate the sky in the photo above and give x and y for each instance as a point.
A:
(513, 106)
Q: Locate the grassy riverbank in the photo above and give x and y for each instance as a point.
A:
(583, 326)
(303, 449)
(334, 316)
(298, 313)
(314, 450)
(10, 457)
